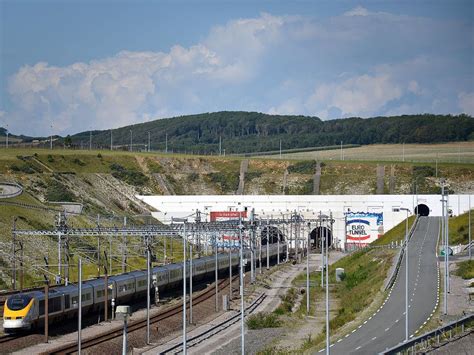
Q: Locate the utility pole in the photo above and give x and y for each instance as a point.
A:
(406, 274)
(79, 317)
(403, 151)
(242, 306)
(184, 290)
(469, 228)
(51, 138)
(111, 141)
(149, 150)
(166, 143)
(7, 136)
(443, 231)
(342, 154)
(216, 271)
(280, 148)
(148, 276)
(90, 140)
(131, 140)
(220, 145)
(307, 271)
(327, 284)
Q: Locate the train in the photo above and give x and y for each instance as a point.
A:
(24, 311)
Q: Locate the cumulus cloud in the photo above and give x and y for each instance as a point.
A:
(362, 96)
(466, 102)
(361, 63)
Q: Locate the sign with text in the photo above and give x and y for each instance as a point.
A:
(227, 215)
(363, 227)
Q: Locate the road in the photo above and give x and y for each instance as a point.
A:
(386, 327)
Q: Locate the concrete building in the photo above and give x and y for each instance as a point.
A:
(358, 219)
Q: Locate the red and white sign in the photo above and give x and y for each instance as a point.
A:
(230, 237)
(227, 215)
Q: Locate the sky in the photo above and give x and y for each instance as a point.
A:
(72, 66)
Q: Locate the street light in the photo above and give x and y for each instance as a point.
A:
(184, 221)
(406, 273)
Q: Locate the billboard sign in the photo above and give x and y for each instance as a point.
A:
(363, 227)
(217, 216)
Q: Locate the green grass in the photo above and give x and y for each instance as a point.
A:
(465, 269)
(396, 234)
(459, 230)
(263, 320)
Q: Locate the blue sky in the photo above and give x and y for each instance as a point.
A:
(80, 65)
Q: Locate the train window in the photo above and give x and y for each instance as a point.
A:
(17, 302)
(67, 303)
(54, 305)
(100, 293)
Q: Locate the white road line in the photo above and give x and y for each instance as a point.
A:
(347, 335)
(358, 347)
(386, 329)
(351, 332)
(374, 338)
(364, 322)
(339, 340)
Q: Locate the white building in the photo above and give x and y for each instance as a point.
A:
(376, 213)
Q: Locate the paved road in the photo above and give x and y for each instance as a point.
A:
(386, 327)
(9, 190)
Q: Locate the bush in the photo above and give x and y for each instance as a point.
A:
(78, 162)
(131, 177)
(227, 181)
(193, 177)
(303, 167)
(263, 320)
(250, 175)
(50, 158)
(466, 269)
(58, 192)
(99, 156)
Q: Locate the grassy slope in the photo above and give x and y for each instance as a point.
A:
(458, 229)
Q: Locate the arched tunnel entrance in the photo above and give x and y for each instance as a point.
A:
(422, 210)
(317, 236)
(273, 233)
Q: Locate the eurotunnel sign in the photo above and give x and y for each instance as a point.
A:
(363, 227)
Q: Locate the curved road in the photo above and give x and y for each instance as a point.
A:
(386, 327)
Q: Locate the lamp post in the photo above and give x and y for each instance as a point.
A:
(184, 221)
(406, 273)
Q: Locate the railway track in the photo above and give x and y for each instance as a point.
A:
(209, 333)
(136, 325)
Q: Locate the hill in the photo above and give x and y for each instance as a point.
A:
(246, 132)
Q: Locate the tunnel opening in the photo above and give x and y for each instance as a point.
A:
(317, 237)
(422, 210)
(273, 234)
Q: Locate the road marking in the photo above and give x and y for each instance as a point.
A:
(360, 326)
(353, 331)
(320, 351)
(397, 320)
(347, 335)
(374, 338)
(358, 347)
(339, 340)
(386, 329)
(364, 322)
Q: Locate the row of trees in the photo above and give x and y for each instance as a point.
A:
(244, 132)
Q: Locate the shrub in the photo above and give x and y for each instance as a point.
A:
(131, 177)
(250, 175)
(466, 269)
(99, 156)
(227, 181)
(50, 158)
(193, 177)
(58, 192)
(78, 162)
(303, 167)
(263, 320)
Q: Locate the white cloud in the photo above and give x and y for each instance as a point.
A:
(239, 65)
(357, 11)
(361, 95)
(466, 102)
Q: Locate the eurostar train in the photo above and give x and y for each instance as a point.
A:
(26, 310)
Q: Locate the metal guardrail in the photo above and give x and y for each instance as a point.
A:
(393, 277)
(435, 337)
